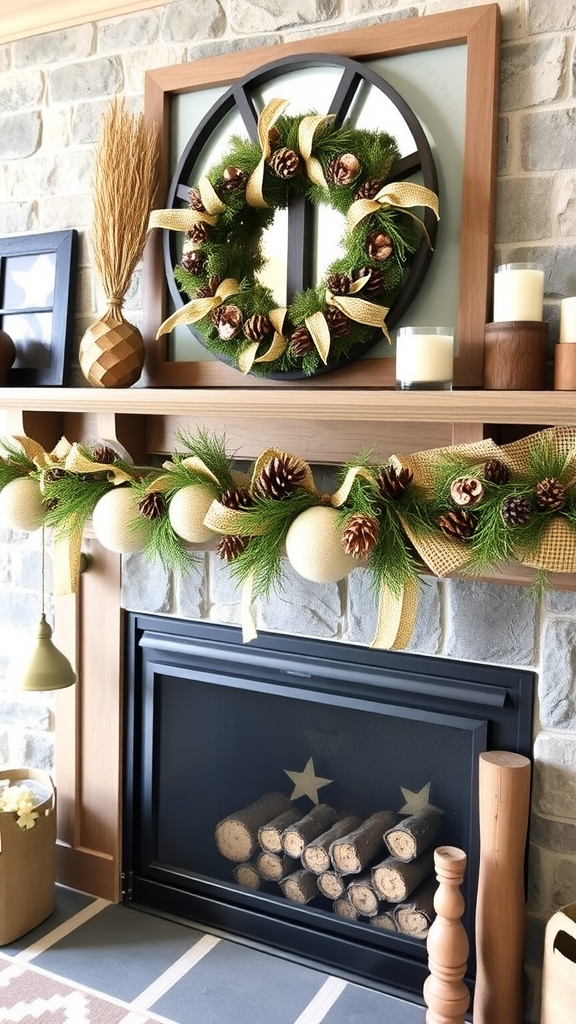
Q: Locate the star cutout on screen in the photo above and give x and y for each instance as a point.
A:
(306, 783)
(416, 802)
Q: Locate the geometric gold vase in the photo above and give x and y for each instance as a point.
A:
(111, 352)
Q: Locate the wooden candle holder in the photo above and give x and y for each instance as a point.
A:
(445, 992)
(565, 367)
(515, 355)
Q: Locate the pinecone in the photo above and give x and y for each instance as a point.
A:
(285, 163)
(375, 283)
(458, 523)
(379, 245)
(496, 472)
(550, 494)
(338, 322)
(360, 535)
(339, 284)
(206, 291)
(516, 511)
(343, 170)
(301, 341)
(236, 498)
(273, 136)
(280, 476)
(152, 505)
(467, 490)
(198, 233)
(369, 188)
(54, 473)
(50, 503)
(257, 327)
(228, 321)
(393, 480)
(229, 547)
(233, 179)
(104, 453)
(195, 200)
(193, 261)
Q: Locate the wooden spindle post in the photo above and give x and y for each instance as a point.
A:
(445, 994)
(504, 792)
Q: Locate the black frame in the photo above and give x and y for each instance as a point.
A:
(64, 244)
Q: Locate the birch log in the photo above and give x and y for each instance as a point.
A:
(351, 854)
(316, 856)
(237, 835)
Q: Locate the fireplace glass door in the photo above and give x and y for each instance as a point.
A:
(293, 792)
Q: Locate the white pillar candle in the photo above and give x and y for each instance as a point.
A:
(518, 292)
(568, 320)
(424, 358)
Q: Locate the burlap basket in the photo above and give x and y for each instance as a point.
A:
(559, 974)
(27, 862)
(444, 555)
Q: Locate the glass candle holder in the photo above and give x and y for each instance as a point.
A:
(518, 292)
(424, 358)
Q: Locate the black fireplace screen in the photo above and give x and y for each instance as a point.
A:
(292, 792)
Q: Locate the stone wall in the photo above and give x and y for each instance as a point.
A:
(53, 90)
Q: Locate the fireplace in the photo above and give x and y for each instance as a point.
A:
(224, 739)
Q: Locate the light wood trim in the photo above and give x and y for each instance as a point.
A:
(479, 29)
(20, 20)
(295, 403)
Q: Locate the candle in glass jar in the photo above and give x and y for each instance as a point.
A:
(568, 320)
(518, 292)
(424, 358)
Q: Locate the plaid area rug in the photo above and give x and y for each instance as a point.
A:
(29, 994)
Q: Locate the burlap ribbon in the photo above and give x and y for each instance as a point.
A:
(306, 131)
(399, 194)
(359, 310)
(197, 309)
(248, 358)
(267, 119)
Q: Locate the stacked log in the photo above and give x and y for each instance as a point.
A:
(395, 880)
(316, 855)
(413, 835)
(353, 852)
(296, 837)
(237, 834)
(415, 916)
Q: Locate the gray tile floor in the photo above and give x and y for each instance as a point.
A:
(188, 976)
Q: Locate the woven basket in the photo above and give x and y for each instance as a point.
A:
(27, 862)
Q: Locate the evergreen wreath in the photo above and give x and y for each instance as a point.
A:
(343, 167)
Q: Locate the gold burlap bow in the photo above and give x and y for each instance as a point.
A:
(197, 309)
(306, 130)
(359, 310)
(184, 220)
(396, 611)
(277, 346)
(267, 119)
(399, 194)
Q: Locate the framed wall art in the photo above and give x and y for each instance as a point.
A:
(432, 84)
(37, 277)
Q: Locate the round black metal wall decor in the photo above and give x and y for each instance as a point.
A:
(213, 251)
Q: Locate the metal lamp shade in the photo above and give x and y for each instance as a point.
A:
(46, 668)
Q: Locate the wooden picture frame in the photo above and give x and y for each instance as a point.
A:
(37, 286)
(479, 30)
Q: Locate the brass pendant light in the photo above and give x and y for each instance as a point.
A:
(45, 668)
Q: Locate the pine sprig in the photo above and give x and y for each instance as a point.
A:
(211, 449)
(392, 560)
(162, 543)
(262, 558)
(13, 463)
(71, 500)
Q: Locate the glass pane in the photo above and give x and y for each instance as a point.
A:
(29, 280)
(32, 336)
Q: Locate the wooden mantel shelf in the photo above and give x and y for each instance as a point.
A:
(323, 425)
(464, 406)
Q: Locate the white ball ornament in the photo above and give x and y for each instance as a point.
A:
(186, 512)
(21, 506)
(117, 523)
(314, 546)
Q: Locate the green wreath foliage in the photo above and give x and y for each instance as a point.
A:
(233, 246)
